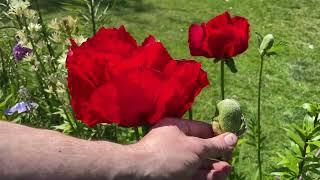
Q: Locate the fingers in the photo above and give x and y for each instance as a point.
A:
(213, 169)
(210, 175)
(190, 127)
(217, 147)
(209, 164)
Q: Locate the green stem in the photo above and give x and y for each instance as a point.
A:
(115, 133)
(7, 27)
(45, 34)
(222, 78)
(304, 152)
(190, 113)
(259, 121)
(4, 72)
(136, 133)
(92, 13)
(70, 121)
(19, 22)
(145, 129)
(44, 30)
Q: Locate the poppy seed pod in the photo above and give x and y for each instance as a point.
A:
(266, 44)
(229, 118)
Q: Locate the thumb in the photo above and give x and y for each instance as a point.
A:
(220, 146)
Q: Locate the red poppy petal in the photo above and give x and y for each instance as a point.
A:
(127, 100)
(196, 40)
(219, 43)
(111, 40)
(149, 40)
(185, 80)
(242, 30)
(225, 37)
(154, 56)
(80, 88)
(220, 21)
(192, 80)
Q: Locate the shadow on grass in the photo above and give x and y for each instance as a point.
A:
(51, 6)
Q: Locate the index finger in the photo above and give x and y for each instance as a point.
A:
(191, 127)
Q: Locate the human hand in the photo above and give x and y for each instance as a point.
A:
(184, 150)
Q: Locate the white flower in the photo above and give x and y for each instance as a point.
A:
(62, 59)
(80, 39)
(29, 58)
(21, 36)
(56, 37)
(54, 24)
(34, 27)
(31, 14)
(18, 7)
(60, 87)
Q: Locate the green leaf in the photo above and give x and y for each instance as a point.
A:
(315, 130)
(317, 138)
(4, 103)
(277, 48)
(259, 38)
(294, 137)
(317, 143)
(231, 65)
(300, 131)
(308, 123)
(310, 108)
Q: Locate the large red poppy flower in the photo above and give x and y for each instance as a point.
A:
(112, 79)
(222, 37)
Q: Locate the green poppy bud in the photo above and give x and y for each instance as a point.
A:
(266, 44)
(229, 117)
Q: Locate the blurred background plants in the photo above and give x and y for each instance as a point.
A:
(291, 140)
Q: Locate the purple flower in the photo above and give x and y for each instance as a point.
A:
(20, 108)
(19, 52)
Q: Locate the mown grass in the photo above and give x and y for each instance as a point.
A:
(290, 79)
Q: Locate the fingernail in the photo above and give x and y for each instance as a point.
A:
(231, 139)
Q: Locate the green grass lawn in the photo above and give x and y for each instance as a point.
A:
(290, 79)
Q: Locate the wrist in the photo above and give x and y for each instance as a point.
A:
(134, 162)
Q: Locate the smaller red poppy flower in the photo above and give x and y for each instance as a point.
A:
(223, 37)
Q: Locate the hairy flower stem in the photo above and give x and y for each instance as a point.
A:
(222, 78)
(34, 48)
(259, 121)
(19, 22)
(190, 113)
(92, 14)
(45, 33)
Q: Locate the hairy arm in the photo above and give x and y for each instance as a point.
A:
(173, 149)
(28, 153)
